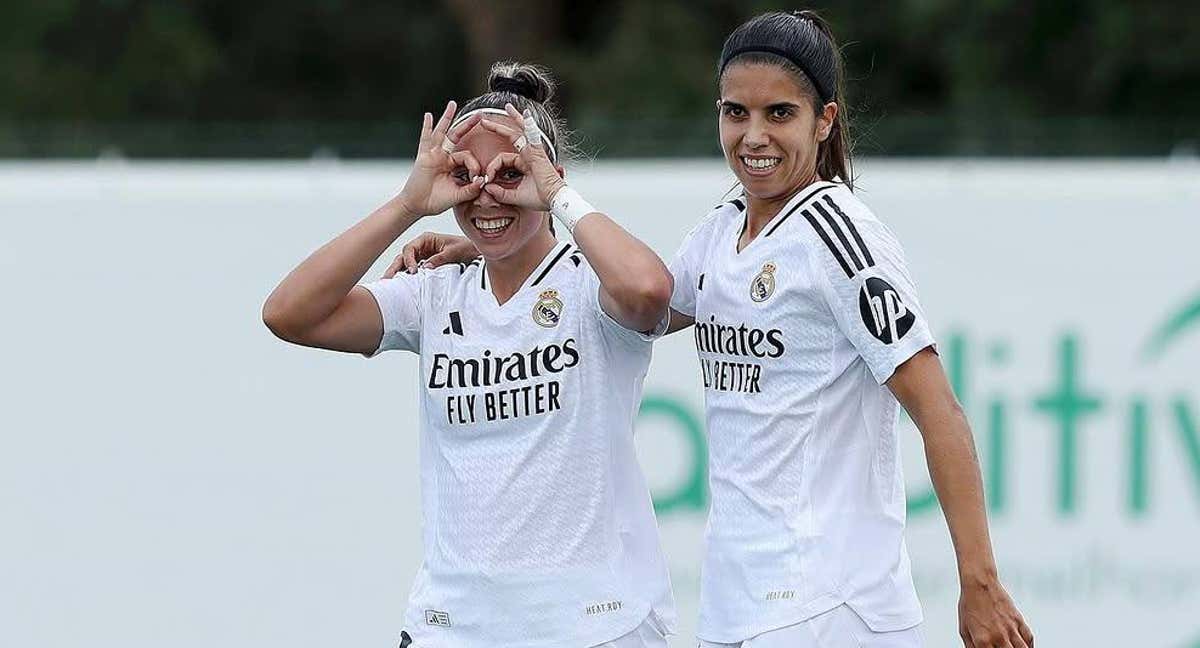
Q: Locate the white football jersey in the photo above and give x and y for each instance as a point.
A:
(796, 335)
(538, 526)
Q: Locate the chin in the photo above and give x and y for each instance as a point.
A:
(763, 188)
(492, 250)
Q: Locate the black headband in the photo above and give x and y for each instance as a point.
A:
(825, 93)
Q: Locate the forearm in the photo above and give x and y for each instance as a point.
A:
(987, 615)
(954, 469)
(313, 290)
(631, 274)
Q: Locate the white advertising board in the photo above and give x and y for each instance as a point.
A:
(170, 472)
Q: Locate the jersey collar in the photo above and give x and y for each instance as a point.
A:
(801, 198)
(553, 258)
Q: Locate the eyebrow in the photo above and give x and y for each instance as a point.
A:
(782, 104)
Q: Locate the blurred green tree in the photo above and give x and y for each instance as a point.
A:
(225, 77)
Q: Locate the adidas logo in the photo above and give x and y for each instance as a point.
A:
(455, 324)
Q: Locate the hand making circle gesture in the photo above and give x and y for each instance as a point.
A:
(433, 186)
(542, 179)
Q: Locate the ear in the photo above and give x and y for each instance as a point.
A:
(826, 120)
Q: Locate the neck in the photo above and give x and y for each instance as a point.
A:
(507, 275)
(760, 211)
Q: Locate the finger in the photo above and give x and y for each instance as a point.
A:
(395, 267)
(535, 151)
(993, 640)
(466, 159)
(446, 119)
(436, 260)
(409, 253)
(426, 129)
(502, 130)
(469, 191)
(450, 141)
(526, 124)
(1019, 634)
(531, 128)
(462, 128)
(1026, 633)
(501, 161)
(516, 116)
(501, 194)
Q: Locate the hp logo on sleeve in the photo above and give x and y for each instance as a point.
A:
(886, 317)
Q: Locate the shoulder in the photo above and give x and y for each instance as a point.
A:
(449, 277)
(833, 213)
(847, 239)
(715, 220)
(848, 204)
(571, 260)
(856, 220)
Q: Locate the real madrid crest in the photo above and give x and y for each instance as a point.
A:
(548, 309)
(763, 284)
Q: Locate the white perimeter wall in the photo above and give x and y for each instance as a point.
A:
(170, 474)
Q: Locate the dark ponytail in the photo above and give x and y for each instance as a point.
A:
(801, 43)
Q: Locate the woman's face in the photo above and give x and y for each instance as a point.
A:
(496, 229)
(769, 132)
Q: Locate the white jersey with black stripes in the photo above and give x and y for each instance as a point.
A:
(538, 526)
(796, 334)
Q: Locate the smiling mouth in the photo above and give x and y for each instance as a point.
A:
(759, 165)
(492, 227)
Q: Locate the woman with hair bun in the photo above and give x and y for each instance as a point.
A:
(810, 336)
(538, 526)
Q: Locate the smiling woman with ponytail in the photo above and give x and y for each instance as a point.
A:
(805, 540)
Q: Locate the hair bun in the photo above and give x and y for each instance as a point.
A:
(523, 79)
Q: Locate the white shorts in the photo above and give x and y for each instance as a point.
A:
(647, 635)
(837, 628)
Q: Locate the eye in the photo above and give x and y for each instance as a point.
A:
(462, 175)
(782, 113)
(733, 111)
(510, 175)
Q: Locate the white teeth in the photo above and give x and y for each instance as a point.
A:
(760, 163)
(492, 224)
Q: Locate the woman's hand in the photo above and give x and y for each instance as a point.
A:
(987, 617)
(432, 250)
(540, 178)
(442, 177)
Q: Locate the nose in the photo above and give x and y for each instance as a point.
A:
(756, 135)
(485, 200)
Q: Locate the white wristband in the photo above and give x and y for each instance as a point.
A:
(569, 207)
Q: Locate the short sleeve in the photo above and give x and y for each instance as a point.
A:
(610, 328)
(399, 301)
(867, 284)
(688, 264)
(683, 296)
